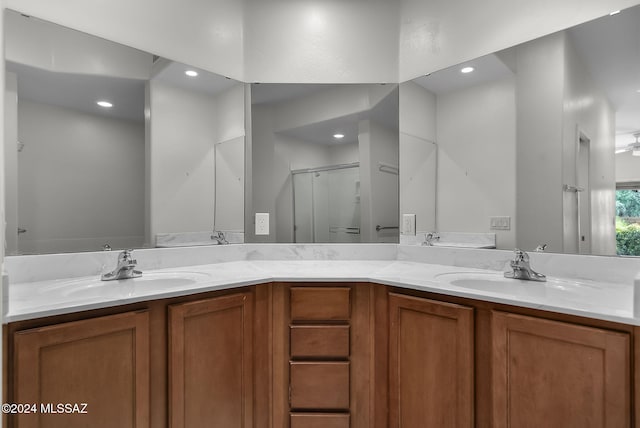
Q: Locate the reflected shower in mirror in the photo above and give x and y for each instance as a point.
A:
(527, 138)
(325, 162)
(116, 148)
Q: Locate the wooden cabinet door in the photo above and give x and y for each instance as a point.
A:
(103, 362)
(430, 364)
(556, 375)
(210, 362)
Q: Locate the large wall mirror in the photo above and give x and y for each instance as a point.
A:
(537, 143)
(110, 147)
(324, 163)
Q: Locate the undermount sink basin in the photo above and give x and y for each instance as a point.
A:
(83, 287)
(496, 282)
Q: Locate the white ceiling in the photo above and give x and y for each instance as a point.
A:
(82, 91)
(205, 82)
(609, 48)
(385, 113)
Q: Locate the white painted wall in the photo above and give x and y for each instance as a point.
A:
(229, 185)
(204, 33)
(321, 41)
(436, 34)
(627, 167)
(182, 138)
(587, 110)
(549, 123)
(263, 187)
(418, 153)
(11, 163)
(378, 189)
(230, 114)
(80, 180)
(50, 47)
(229, 159)
(476, 134)
(540, 64)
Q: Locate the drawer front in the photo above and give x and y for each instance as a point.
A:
(322, 385)
(315, 341)
(319, 420)
(320, 303)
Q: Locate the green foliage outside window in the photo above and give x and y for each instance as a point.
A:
(627, 233)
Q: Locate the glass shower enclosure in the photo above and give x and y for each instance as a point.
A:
(326, 204)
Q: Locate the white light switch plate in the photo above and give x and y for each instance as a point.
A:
(262, 223)
(500, 223)
(408, 224)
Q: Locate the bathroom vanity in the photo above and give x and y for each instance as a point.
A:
(313, 342)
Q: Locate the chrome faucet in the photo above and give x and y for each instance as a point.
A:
(124, 269)
(219, 237)
(541, 248)
(521, 269)
(429, 238)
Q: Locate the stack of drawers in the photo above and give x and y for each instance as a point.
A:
(319, 357)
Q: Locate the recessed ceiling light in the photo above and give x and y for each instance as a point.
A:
(615, 12)
(467, 70)
(105, 104)
(191, 73)
(338, 136)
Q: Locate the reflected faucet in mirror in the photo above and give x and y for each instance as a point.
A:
(124, 269)
(521, 268)
(429, 238)
(219, 237)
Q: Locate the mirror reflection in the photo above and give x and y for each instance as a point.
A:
(107, 146)
(533, 141)
(325, 162)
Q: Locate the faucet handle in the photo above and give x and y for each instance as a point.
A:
(521, 256)
(125, 256)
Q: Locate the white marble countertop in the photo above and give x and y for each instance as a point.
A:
(598, 299)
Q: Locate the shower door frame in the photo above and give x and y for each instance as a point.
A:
(293, 191)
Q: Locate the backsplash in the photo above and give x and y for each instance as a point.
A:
(68, 265)
(453, 239)
(168, 240)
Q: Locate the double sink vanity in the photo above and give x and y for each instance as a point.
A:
(325, 335)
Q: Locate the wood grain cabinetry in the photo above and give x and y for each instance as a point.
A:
(211, 362)
(103, 362)
(319, 367)
(324, 355)
(323, 350)
(430, 364)
(556, 374)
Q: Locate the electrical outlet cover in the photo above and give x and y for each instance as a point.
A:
(408, 224)
(262, 223)
(500, 223)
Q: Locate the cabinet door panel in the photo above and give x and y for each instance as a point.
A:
(103, 362)
(320, 385)
(430, 363)
(210, 360)
(555, 374)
